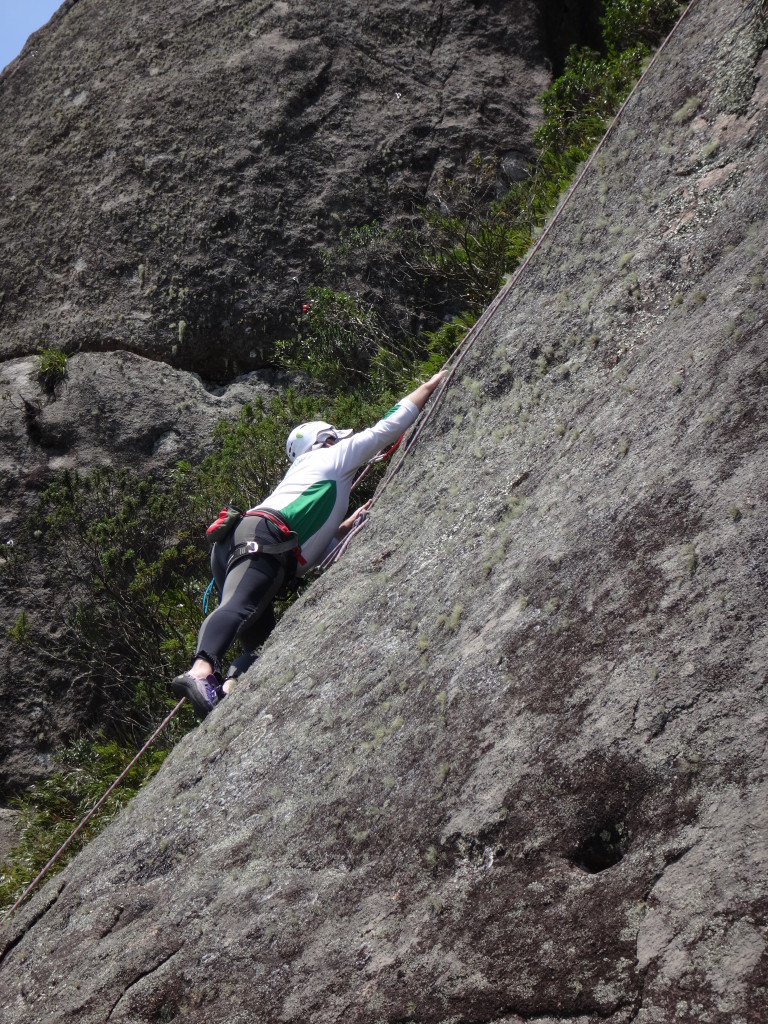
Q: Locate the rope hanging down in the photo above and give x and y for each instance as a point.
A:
(44, 871)
(463, 348)
(452, 364)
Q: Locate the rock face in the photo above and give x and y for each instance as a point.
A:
(113, 408)
(8, 832)
(508, 763)
(168, 170)
(165, 173)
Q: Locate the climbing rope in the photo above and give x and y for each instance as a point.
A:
(90, 813)
(457, 357)
(381, 457)
(207, 596)
(452, 364)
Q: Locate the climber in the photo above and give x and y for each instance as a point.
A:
(289, 533)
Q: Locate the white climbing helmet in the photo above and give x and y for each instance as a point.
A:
(307, 435)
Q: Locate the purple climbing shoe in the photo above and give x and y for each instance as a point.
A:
(203, 694)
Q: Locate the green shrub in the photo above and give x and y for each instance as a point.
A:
(18, 633)
(50, 368)
(630, 23)
(130, 567)
(337, 339)
(393, 376)
(468, 240)
(578, 105)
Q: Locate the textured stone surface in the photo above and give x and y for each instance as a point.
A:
(8, 831)
(111, 409)
(508, 763)
(168, 169)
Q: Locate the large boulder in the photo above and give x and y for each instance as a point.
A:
(109, 409)
(168, 171)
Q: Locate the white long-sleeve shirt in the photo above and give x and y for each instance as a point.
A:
(313, 496)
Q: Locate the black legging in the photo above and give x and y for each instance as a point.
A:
(246, 593)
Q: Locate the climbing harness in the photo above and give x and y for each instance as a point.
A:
(257, 547)
(290, 540)
(452, 364)
(230, 518)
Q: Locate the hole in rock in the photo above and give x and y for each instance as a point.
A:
(600, 851)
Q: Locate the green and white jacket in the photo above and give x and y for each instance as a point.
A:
(313, 496)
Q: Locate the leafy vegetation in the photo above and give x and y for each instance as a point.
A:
(128, 565)
(627, 24)
(337, 339)
(18, 633)
(130, 558)
(50, 368)
(48, 812)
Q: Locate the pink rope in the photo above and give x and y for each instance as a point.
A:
(90, 813)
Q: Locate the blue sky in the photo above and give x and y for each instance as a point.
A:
(18, 20)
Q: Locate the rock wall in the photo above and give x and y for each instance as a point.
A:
(167, 170)
(507, 760)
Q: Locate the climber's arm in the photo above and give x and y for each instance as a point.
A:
(423, 391)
